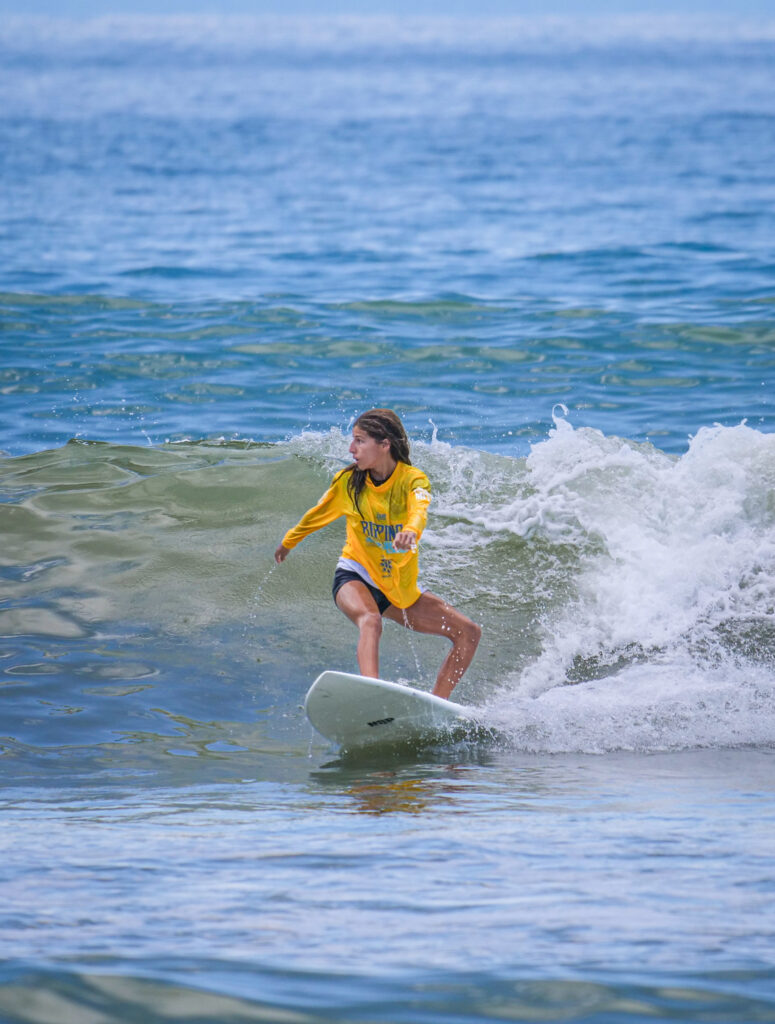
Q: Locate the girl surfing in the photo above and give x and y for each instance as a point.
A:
(385, 501)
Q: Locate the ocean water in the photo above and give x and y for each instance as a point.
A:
(550, 246)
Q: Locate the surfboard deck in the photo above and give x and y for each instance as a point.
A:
(356, 711)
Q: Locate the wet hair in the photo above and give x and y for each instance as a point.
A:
(382, 425)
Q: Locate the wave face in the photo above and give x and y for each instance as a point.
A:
(627, 597)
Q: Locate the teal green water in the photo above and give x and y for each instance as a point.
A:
(485, 373)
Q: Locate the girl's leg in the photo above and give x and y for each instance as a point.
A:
(429, 614)
(359, 606)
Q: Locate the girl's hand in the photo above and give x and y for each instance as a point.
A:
(406, 540)
(281, 554)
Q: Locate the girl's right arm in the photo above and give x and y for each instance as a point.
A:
(329, 508)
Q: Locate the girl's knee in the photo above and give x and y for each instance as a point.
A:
(472, 632)
(370, 622)
(464, 630)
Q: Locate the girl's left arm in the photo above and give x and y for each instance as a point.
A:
(418, 500)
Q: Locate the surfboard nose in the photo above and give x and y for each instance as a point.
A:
(357, 711)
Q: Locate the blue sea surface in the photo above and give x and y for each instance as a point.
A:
(549, 244)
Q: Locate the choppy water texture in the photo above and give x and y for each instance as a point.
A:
(548, 245)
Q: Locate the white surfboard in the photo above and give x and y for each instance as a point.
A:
(356, 711)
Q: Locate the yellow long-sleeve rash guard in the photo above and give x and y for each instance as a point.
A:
(399, 503)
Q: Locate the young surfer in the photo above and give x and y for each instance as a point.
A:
(385, 501)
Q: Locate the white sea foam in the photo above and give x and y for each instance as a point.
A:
(675, 606)
(670, 704)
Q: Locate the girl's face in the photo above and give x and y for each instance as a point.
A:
(367, 452)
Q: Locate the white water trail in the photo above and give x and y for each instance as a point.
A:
(670, 633)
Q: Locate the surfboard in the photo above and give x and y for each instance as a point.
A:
(356, 711)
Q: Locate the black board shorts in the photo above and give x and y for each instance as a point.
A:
(342, 576)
